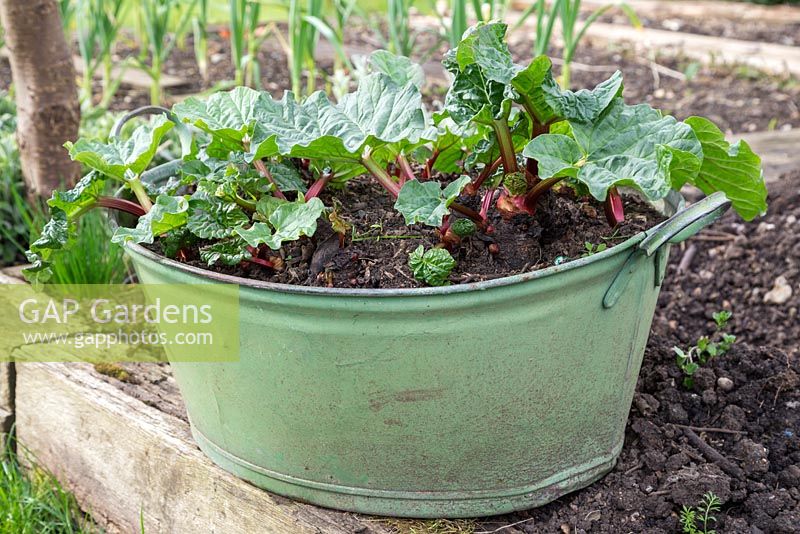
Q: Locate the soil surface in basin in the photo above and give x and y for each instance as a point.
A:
(376, 250)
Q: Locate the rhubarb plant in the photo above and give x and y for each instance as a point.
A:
(257, 173)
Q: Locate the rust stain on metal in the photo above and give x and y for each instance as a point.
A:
(409, 395)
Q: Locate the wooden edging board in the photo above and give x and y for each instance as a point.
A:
(122, 458)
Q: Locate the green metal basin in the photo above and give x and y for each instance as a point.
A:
(468, 400)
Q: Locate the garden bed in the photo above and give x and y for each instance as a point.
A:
(737, 98)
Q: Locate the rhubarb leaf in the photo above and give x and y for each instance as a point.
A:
(482, 68)
(228, 252)
(54, 236)
(290, 221)
(228, 116)
(427, 202)
(484, 45)
(557, 155)
(120, 159)
(584, 105)
(733, 169)
(378, 112)
(625, 145)
(211, 218)
(79, 198)
(432, 267)
(399, 69)
(294, 219)
(286, 176)
(258, 234)
(168, 213)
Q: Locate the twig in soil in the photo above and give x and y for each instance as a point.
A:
(666, 71)
(500, 529)
(404, 275)
(367, 237)
(711, 429)
(634, 468)
(686, 260)
(712, 454)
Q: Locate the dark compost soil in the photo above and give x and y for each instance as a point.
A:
(665, 465)
(376, 252)
(735, 266)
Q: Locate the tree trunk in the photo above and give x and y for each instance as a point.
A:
(48, 111)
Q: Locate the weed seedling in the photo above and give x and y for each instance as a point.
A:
(706, 348)
(592, 249)
(690, 516)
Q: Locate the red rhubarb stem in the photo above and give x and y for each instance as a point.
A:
(428, 171)
(467, 212)
(486, 202)
(380, 174)
(120, 205)
(406, 173)
(317, 187)
(615, 212)
(532, 196)
(263, 171)
(487, 171)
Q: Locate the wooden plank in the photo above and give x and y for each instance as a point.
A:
(782, 14)
(775, 58)
(7, 375)
(120, 456)
(778, 150)
(135, 77)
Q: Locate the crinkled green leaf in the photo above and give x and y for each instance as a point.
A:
(168, 213)
(531, 83)
(290, 221)
(229, 116)
(633, 131)
(482, 68)
(227, 252)
(625, 145)
(733, 169)
(295, 219)
(432, 267)
(484, 45)
(54, 236)
(80, 197)
(584, 105)
(267, 204)
(399, 69)
(557, 155)
(427, 202)
(119, 159)
(464, 227)
(210, 218)
(651, 176)
(378, 112)
(472, 97)
(258, 234)
(287, 177)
